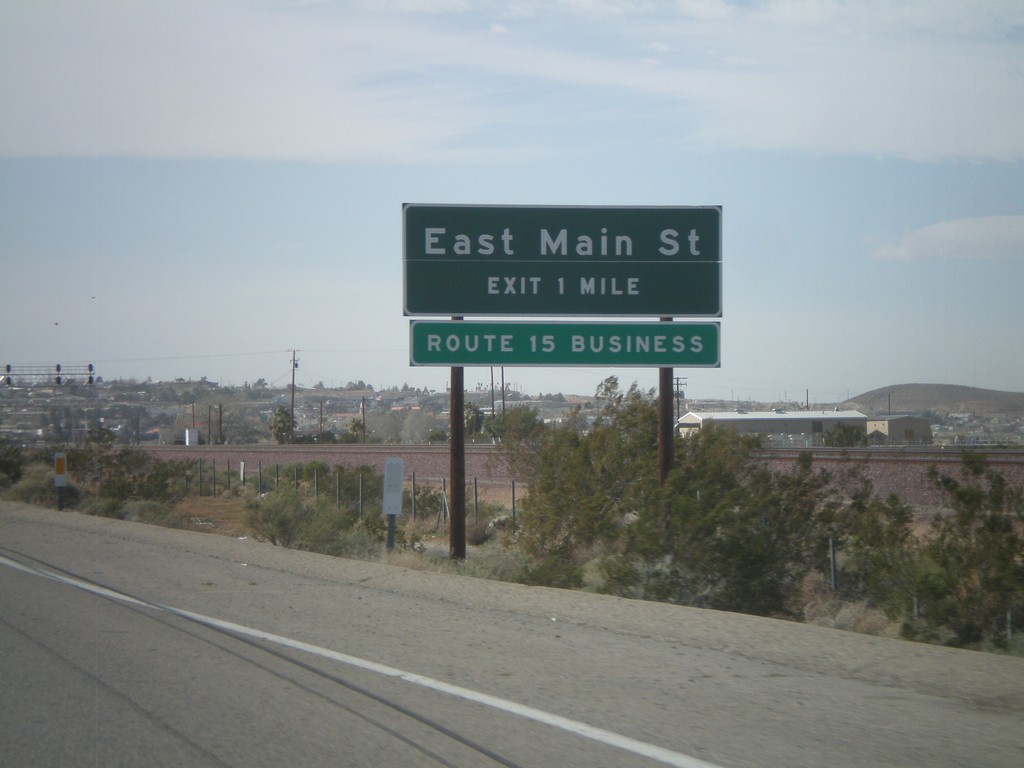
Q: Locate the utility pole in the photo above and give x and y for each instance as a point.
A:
(291, 422)
(680, 394)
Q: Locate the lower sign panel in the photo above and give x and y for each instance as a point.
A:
(629, 345)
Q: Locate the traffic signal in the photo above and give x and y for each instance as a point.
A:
(58, 374)
(90, 373)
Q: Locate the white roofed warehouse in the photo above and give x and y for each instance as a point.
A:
(781, 428)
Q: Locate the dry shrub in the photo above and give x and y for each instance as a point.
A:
(35, 486)
(477, 534)
(824, 608)
(862, 618)
(496, 563)
(414, 560)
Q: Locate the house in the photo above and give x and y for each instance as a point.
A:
(899, 430)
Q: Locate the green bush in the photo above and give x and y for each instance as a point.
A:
(976, 557)
(428, 501)
(35, 486)
(553, 569)
(111, 471)
(100, 506)
(155, 513)
(287, 517)
(362, 542)
(12, 465)
(277, 516)
(324, 530)
(493, 561)
(477, 534)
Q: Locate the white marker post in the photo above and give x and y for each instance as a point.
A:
(60, 476)
(394, 476)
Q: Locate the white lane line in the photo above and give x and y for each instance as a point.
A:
(600, 735)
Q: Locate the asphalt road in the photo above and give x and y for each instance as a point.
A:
(124, 644)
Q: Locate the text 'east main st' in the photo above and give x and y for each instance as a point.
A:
(437, 242)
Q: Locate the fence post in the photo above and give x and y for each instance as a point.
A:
(832, 561)
(442, 511)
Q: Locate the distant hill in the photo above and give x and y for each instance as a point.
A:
(942, 399)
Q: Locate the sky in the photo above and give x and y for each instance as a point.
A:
(197, 188)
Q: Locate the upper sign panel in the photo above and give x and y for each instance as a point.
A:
(599, 261)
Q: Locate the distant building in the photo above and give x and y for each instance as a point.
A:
(899, 430)
(782, 428)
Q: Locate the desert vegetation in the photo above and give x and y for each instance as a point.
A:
(723, 532)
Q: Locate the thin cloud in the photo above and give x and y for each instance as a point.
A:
(411, 81)
(982, 238)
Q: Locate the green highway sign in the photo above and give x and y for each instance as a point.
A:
(478, 343)
(552, 261)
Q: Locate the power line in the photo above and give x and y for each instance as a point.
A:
(212, 356)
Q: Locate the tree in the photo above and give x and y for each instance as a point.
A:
(472, 418)
(356, 432)
(584, 482)
(727, 532)
(417, 425)
(518, 424)
(120, 473)
(775, 534)
(238, 427)
(884, 560)
(845, 436)
(12, 464)
(724, 531)
(978, 554)
(281, 425)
